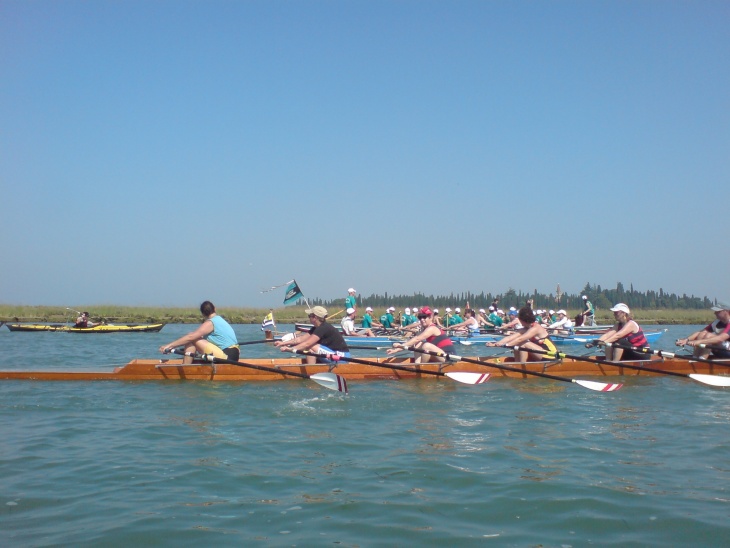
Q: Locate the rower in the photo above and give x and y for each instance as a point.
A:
(627, 333)
(431, 339)
(716, 334)
(322, 340)
(348, 325)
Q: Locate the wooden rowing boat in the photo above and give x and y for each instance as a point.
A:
(104, 328)
(159, 370)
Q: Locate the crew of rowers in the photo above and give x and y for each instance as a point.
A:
(558, 323)
(528, 332)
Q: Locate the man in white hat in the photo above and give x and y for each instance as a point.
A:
(717, 335)
(367, 319)
(387, 319)
(351, 300)
(348, 325)
(563, 326)
(322, 339)
(589, 312)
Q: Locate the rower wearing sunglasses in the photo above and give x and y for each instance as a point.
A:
(431, 339)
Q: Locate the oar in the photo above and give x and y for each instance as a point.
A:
(713, 380)
(466, 377)
(246, 343)
(590, 385)
(328, 380)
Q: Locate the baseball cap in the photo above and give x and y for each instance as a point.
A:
(551, 311)
(368, 309)
(351, 290)
(621, 307)
(319, 311)
(482, 311)
(407, 311)
(457, 309)
(720, 306)
(435, 310)
(425, 311)
(584, 297)
(350, 311)
(563, 312)
(448, 309)
(491, 308)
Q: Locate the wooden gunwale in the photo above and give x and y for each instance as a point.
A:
(145, 369)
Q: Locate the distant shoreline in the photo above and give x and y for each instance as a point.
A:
(283, 315)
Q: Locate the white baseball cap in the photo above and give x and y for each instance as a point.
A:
(482, 311)
(512, 309)
(551, 311)
(448, 309)
(435, 310)
(351, 290)
(563, 312)
(491, 308)
(407, 310)
(457, 309)
(584, 297)
(368, 309)
(720, 306)
(350, 310)
(621, 307)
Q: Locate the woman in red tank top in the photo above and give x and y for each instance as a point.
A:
(627, 333)
(431, 339)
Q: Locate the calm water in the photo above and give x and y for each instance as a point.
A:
(507, 463)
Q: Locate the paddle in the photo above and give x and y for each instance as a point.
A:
(328, 380)
(713, 380)
(466, 377)
(590, 385)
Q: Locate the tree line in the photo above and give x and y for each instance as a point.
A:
(601, 299)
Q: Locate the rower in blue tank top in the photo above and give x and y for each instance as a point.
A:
(214, 336)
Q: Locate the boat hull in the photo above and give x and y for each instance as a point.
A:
(106, 328)
(164, 370)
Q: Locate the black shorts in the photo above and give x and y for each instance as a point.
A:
(720, 353)
(232, 352)
(632, 355)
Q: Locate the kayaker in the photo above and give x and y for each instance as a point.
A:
(83, 321)
(716, 334)
(214, 336)
(530, 336)
(625, 332)
(431, 339)
(322, 339)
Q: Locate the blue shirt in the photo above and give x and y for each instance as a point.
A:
(223, 335)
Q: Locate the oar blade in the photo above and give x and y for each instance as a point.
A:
(713, 380)
(599, 386)
(466, 343)
(331, 381)
(468, 377)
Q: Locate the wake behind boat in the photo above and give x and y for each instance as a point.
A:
(103, 328)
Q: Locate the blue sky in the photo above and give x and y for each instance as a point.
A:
(168, 152)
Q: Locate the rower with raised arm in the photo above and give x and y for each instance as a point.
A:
(589, 312)
(717, 335)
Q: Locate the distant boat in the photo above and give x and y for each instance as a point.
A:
(104, 328)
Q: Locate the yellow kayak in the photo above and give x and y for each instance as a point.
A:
(105, 328)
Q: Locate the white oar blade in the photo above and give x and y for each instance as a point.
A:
(468, 377)
(713, 380)
(466, 343)
(331, 381)
(599, 386)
